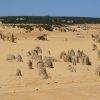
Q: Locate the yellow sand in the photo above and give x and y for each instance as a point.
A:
(63, 84)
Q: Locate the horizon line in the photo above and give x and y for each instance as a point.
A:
(45, 16)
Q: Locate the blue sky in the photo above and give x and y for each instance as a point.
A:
(86, 8)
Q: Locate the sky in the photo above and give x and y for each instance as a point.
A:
(80, 8)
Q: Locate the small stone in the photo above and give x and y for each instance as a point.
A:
(55, 82)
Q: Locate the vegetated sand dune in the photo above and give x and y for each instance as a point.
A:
(62, 84)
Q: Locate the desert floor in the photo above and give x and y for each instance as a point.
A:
(63, 84)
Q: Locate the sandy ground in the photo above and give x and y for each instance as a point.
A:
(63, 84)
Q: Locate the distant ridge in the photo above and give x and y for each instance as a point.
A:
(48, 20)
